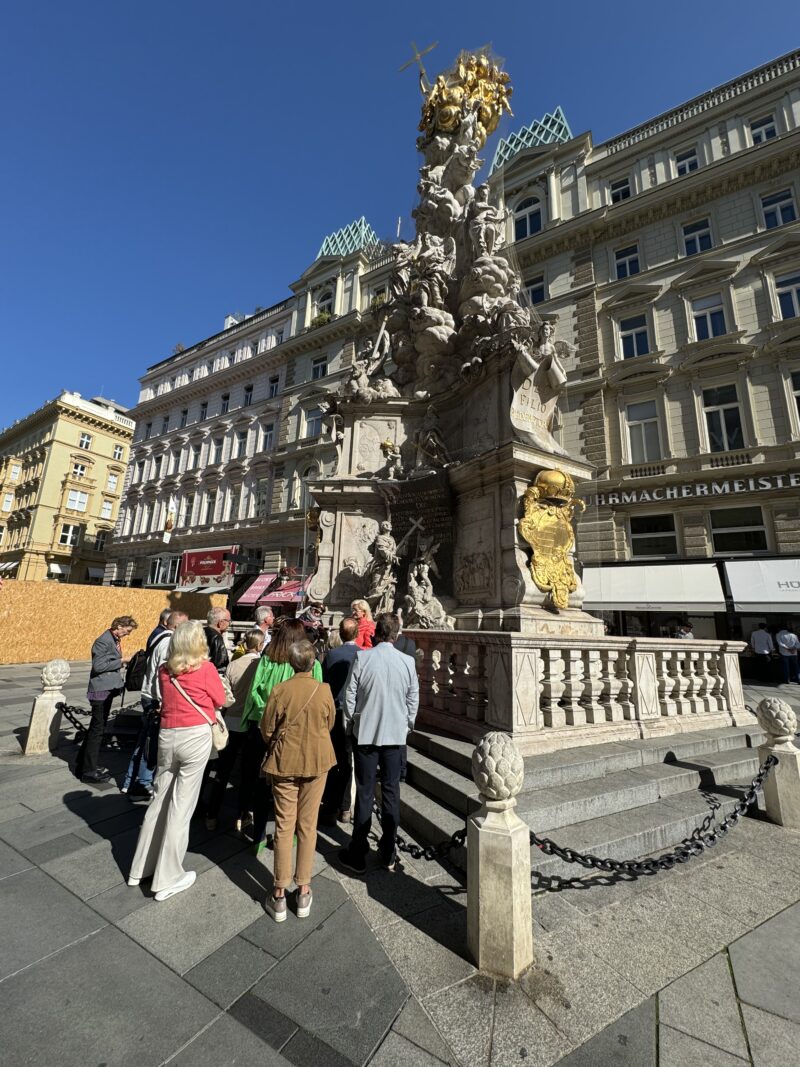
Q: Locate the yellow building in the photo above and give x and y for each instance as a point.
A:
(62, 469)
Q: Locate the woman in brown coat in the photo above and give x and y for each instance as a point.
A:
(296, 727)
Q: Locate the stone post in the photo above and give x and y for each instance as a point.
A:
(45, 721)
(782, 786)
(499, 919)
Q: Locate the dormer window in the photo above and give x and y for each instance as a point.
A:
(527, 218)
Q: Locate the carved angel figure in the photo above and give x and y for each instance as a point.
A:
(382, 572)
(485, 224)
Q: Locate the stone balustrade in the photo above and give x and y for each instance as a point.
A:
(554, 692)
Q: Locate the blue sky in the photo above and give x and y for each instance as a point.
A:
(167, 163)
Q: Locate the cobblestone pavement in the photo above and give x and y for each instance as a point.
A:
(697, 965)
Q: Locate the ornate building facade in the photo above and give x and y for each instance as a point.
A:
(670, 258)
(230, 431)
(62, 470)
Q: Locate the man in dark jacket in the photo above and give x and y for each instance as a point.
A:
(105, 681)
(218, 620)
(335, 668)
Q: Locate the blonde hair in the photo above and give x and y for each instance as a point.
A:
(187, 648)
(363, 606)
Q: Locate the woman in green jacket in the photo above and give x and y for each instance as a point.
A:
(273, 667)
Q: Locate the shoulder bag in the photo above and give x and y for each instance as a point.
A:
(219, 731)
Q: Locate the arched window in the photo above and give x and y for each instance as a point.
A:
(309, 475)
(527, 217)
(325, 303)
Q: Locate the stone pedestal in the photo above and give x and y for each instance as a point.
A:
(782, 786)
(499, 919)
(45, 720)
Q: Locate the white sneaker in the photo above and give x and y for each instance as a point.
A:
(183, 883)
(134, 881)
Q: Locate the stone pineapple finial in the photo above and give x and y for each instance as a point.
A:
(778, 720)
(497, 767)
(54, 674)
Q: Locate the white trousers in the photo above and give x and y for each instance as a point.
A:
(164, 837)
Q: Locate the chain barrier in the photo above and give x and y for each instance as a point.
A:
(701, 838)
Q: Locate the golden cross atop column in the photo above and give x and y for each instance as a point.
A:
(417, 58)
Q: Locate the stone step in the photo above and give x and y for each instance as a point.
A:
(450, 751)
(729, 765)
(442, 783)
(429, 821)
(547, 809)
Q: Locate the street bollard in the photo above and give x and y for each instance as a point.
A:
(499, 919)
(45, 721)
(782, 787)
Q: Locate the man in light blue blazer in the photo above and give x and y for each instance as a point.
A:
(381, 699)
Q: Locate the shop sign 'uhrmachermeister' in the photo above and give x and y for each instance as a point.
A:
(694, 490)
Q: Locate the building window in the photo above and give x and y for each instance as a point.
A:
(269, 436)
(620, 190)
(778, 209)
(247, 399)
(274, 384)
(186, 509)
(633, 336)
(796, 390)
(8, 501)
(217, 450)
(313, 422)
(148, 431)
(325, 303)
(262, 498)
(627, 260)
(763, 129)
(100, 539)
(645, 442)
(140, 470)
(107, 508)
(184, 418)
(85, 441)
(241, 444)
(738, 530)
(723, 418)
(113, 481)
(77, 501)
(204, 410)
(527, 218)
(165, 424)
(175, 461)
(157, 460)
(697, 237)
(78, 470)
(194, 457)
(118, 452)
(534, 287)
(2, 533)
(16, 470)
(788, 290)
(211, 504)
(708, 313)
(686, 161)
(653, 535)
(70, 535)
(319, 368)
(225, 403)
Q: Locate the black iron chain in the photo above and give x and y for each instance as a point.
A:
(427, 852)
(701, 838)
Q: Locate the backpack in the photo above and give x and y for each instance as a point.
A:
(138, 663)
(134, 676)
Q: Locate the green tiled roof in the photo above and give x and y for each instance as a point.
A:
(549, 129)
(349, 239)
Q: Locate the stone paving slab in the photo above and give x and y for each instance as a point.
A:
(102, 1000)
(676, 1049)
(628, 1042)
(429, 950)
(227, 1043)
(684, 1006)
(414, 1024)
(231, 971)
(774, 1042)
(397, 1050)
(11, 861)
(762, 961)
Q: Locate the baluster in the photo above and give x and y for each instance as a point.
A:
(458, 681)
(475, 675)
(573, 689)
(609, 695)
(625, 680)
(665, 684)
(593, 686)
(552, 687)
(681, 680)
(673, 689)
(703, 683)
(425, 672)
(691, 682)
(716, 683)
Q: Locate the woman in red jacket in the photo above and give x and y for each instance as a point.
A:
(362, 613)
(191, 692)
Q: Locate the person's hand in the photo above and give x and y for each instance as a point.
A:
(125, 661)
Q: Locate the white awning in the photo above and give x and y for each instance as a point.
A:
(765, 585)
(679, 587)
(60, 568)
(95, 572)
(8, 566)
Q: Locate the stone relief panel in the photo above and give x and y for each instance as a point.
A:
(369, 458)
(475, 570)
(526, 691)
(646, 684)
(357, 533)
